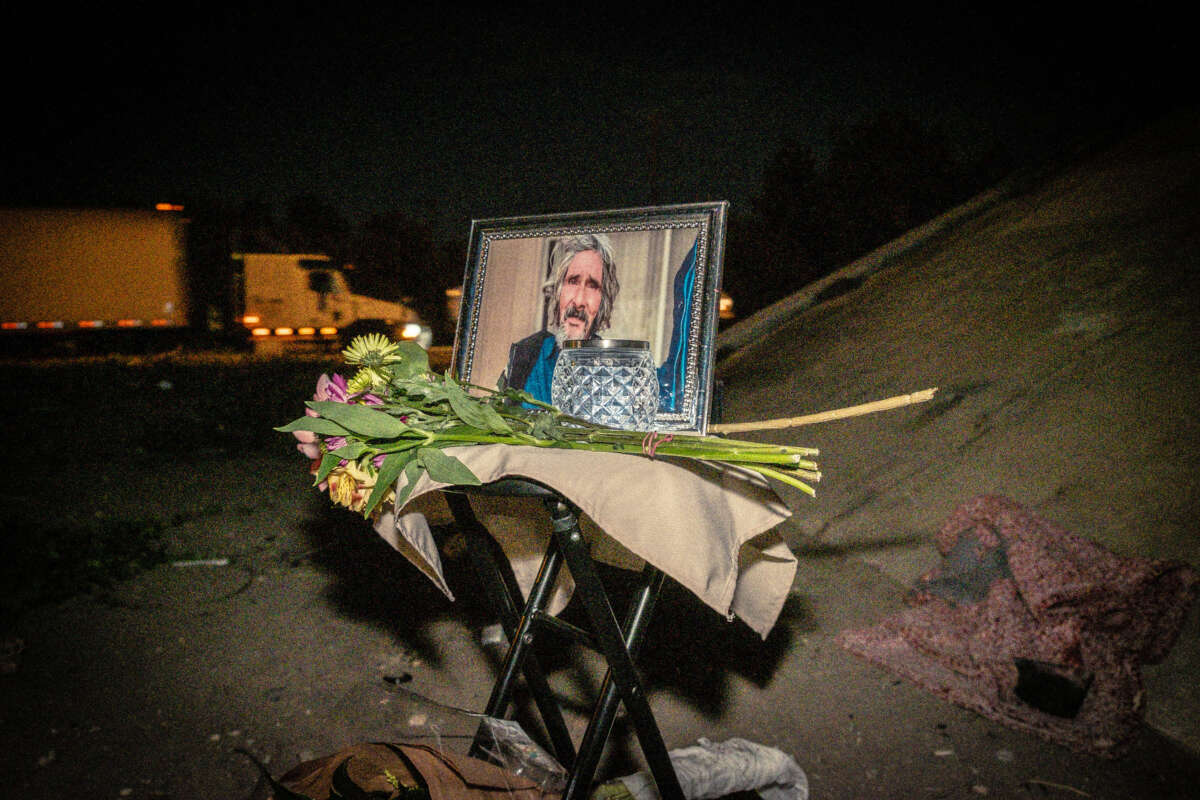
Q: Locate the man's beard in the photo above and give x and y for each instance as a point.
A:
(572, 312)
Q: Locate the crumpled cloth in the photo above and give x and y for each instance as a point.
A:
(365, 767)
(712, 770)
(1035, 627)
(708, 526)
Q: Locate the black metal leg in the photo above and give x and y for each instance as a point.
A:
(618, 644)
(499, 585)
(618, 651)
(503, 593)
(591, 747)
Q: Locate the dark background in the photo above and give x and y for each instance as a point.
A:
(376, 132)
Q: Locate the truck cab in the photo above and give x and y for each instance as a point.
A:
(302, 301)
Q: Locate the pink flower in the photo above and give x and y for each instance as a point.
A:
(335, 389)
(309, 444)
(329, 388)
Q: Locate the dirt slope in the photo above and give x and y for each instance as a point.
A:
(1061, 327)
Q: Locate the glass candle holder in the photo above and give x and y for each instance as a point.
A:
(607, 381)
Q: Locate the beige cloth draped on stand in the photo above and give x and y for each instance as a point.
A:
(708, 526)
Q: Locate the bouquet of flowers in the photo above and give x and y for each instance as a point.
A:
(395, 418)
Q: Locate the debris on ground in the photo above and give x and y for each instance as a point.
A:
(1034, 626)
(711, 770)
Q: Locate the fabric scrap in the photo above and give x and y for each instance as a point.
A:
(384, 769)
(1035, 627)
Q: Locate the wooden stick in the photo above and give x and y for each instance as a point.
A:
(1079, 792)
(899, 401)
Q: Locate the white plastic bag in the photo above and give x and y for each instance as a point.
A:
(709, 770)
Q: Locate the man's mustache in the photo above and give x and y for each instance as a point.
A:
(575, 312)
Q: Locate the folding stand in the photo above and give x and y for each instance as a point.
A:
(617, 644)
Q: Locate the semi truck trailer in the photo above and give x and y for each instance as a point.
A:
(104, 275)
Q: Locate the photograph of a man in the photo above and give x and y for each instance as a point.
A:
(581, 292)
(646, 275)
(580, 296)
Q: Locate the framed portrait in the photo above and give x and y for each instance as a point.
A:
(646, 274)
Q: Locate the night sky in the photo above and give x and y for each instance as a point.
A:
(454, 115)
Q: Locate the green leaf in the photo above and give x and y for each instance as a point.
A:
(414, 363)
(543, 426)
(400, 409)
(389, 471)
(445, 468)
(328, 462)
(421, 387)
(463, 407)
(325, 427)
(350, 451)
(412, 471)
(458, 429)
(520, 397)
(473, 412)
(496, 423)
(366, 421)
(400, 445)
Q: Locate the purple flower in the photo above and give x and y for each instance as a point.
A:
(329, 388)
(335, 388)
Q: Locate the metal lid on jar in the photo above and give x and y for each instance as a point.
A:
(606, 344)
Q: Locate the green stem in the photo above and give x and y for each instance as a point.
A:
(782, 477)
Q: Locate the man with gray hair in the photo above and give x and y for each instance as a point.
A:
(581, 292)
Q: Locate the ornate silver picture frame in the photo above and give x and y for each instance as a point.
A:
(650, 274)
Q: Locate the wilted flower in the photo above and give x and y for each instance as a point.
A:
(342, 487)
(329, 388)
(336, 388)
(309, 444)
(350, 486)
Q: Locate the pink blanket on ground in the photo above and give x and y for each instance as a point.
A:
(1033, 626)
